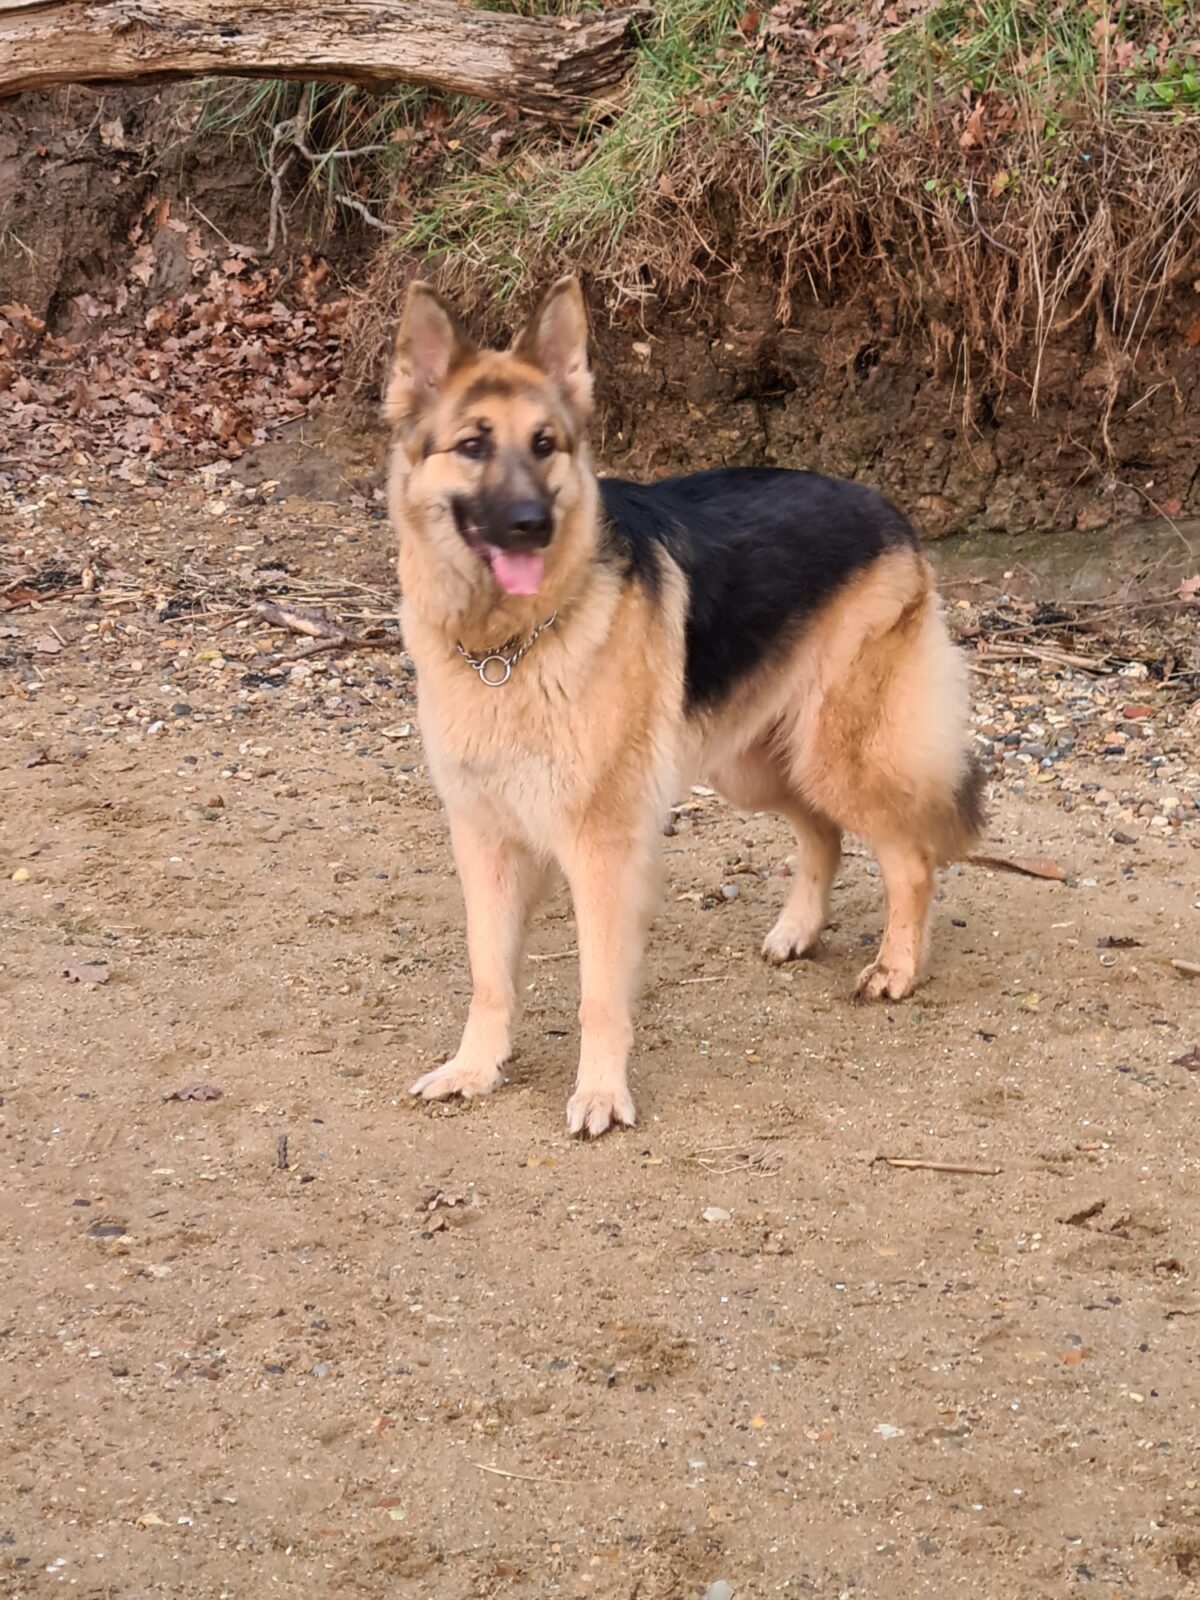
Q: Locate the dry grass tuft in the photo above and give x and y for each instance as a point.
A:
(1006, 170)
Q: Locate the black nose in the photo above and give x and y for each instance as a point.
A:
(527, 524)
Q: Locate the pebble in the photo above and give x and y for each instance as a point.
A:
(721, 1590)
(730, 891)
(21, 875)
(715, 1214)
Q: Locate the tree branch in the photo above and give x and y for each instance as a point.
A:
(549, 66)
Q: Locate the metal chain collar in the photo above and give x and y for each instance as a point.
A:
(505, 658)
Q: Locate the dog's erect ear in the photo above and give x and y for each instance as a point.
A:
(556, 341)
(429, 345)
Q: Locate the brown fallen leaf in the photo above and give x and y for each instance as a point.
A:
(1191, 1061)
(1189, 590)
(87, 972)
(1030, 866)
(973, 132)
(46, 644)
(195, 1091)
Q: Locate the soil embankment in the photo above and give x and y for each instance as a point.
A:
(851, 384)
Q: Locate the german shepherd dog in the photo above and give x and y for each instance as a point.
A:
(585, 647)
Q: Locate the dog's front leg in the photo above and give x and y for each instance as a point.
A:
(500, 878)
(613, 877)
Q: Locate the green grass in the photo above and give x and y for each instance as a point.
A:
(704, 101)
(564, 196)
(721, 130)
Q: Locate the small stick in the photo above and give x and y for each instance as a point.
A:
(346, 642)
(557, 955)
(1000, 651)
(914, 1164)
(324, 633)
(1027, 866)
(368, 217)
(720, 977)
(315, 647)
(524, 1477)
(192, 206)
(281, 1155)
(990, 237)
(307, 622)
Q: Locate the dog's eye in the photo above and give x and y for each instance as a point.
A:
(543, 445)
(475, 448)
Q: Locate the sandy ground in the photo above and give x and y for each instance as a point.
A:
(447, 1353)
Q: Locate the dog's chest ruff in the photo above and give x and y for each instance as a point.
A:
(516, 747)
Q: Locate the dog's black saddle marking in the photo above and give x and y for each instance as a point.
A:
(762, 548)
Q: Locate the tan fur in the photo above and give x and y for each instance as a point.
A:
(577, 757)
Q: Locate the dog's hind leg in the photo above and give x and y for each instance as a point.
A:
(755, 780)
(500, 880)
(906, 865)
(818, 852)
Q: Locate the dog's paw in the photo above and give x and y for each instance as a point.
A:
(881, 982)
(457, 1077)
(593, 1111)
(786, 942)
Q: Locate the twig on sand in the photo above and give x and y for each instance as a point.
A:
(1027, 866)
(999, 650)
(315, 648)
(299, 620)
(322, 630)
(765, 1162)
(522, 1477)
(915, 1164)
(557, 955)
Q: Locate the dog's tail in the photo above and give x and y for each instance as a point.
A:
(965, 817)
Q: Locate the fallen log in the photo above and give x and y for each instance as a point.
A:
(549, 66)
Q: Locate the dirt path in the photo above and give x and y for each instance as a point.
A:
(447, 1353)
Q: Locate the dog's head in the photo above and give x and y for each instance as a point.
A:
(491, 449)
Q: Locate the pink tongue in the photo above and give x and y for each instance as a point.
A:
(517, 571)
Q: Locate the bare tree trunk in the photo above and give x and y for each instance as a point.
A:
(551, 66)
